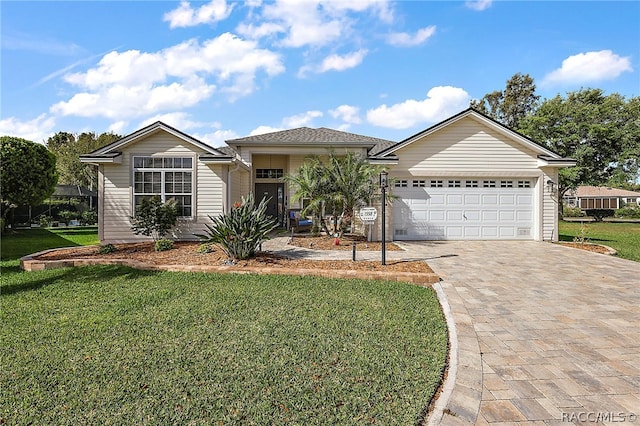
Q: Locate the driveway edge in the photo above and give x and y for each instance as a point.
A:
(459, 401)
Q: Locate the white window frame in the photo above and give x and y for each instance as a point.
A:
(164, 196)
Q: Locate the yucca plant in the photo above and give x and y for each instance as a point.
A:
(240, 232)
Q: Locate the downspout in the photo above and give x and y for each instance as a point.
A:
(229, 171)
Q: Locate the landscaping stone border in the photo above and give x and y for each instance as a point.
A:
(31, 263)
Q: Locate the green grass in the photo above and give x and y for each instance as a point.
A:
(623, 237)
(21, 242)
(113, 345)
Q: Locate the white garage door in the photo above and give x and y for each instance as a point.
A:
(463, 209)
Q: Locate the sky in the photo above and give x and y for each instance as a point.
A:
(222, 69)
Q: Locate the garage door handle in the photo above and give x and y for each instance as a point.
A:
(465, 216)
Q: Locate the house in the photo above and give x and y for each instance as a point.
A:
(600, 197)
(468, 177)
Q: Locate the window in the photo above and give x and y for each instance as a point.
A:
(488, 183)
(506, 184)
(453, 184)
(419, 183)
(269, 173)
(436, 184)
(524, 184)
(401, 183)
(168, 177)
(471, 184)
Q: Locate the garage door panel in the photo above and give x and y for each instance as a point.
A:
(455, 199)
(490, 215)
(525, 200)
(454, 215)
(471, 199)
(489, 231)
(507, 200)
(437, 200)
(472, 232)
(524, 216)
(472, 215)
(437, 215)
(507, 215)
(490, 200)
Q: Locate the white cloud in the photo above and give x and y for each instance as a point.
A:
(313, 22)
(347, 113)
(440, 103)
(405, 39)
(186, 16)
(589, 67)
(301, 120)
(217, 138)
(133, 83)
(179, 120)
(478, 5)
(118, 127)
(261, 130)
(37, 130)
(335, 63)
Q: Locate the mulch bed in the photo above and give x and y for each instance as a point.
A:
(185, 253)
(586, 246)
(345, 243)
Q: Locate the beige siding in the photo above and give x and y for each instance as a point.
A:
(466, 147)
(549, 206)
(118, 203)
(239, 185)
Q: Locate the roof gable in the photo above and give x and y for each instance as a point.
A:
(147, 131)
(484, 120)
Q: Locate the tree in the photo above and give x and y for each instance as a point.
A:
(28, 173)
(68, 148)
(339, 185)
(354, 183)
(155, 218)
(600, 132)
(310, 183)
(510, 106)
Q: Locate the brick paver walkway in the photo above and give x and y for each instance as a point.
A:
(545, 334)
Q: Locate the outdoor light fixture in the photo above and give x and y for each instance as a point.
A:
(384, 183)
(384, 179)
(551, 185)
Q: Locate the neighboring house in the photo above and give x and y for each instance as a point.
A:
(600, 197)
(468, 177)
(67, 192)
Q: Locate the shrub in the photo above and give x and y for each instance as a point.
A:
(582, 235)
(45, 221)
(241, 232)
(106, 249)
(163, 244)
(89, 217)
(67, 215)
(568, 211)
(630, 211)
(154, 218)
(599, 214)
(206, 248)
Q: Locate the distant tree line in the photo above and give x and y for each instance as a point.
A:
(601, 132)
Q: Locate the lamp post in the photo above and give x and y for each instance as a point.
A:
(384, 183)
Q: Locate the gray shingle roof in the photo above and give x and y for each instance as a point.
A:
(309, 136)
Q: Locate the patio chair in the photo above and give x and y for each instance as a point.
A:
(299, 223)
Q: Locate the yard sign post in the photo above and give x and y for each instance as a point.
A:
(383, 186)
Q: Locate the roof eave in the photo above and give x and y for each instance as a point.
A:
(111, 158)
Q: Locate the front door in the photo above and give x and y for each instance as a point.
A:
(274, 193)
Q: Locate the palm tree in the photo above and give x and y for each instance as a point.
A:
(310, 182)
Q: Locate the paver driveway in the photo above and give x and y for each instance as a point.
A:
(546, 334)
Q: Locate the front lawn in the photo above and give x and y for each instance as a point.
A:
(21, 242)
(112, 345)
(624, 237)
